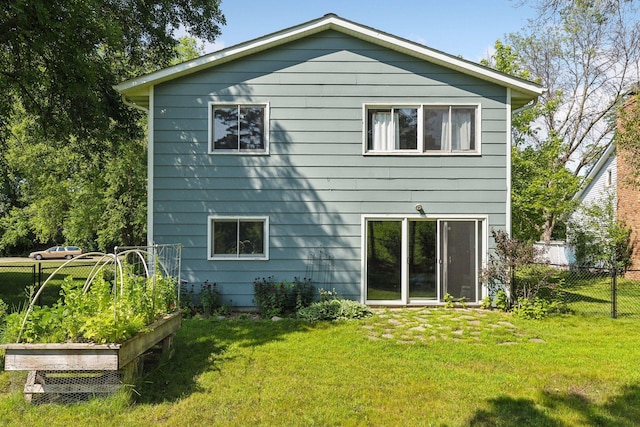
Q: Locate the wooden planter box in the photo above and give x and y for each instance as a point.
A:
(42, 359)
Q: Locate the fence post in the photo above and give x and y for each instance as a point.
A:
(614, 289)
(39, 302)
(33, 275)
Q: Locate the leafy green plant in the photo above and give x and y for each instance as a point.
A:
(531, 309)
(106, 311)
(332, 307)
(486, 303)
(282, 298)
(599, 238)
(448, 300)
(209, 297)
(502, 300)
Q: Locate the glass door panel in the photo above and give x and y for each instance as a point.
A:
(384, 260)
(423, 260)
(459, 255)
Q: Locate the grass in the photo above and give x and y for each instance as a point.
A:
(590, 294)
(16, 279)
(402, 367)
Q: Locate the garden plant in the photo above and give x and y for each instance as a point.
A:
(114, 303)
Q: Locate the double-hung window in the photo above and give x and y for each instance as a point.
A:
(422, 129)
(239, 128)
(238, 237)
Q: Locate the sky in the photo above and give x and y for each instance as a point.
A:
(459, 27)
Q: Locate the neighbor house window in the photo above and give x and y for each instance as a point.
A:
(422, 129)
(238, 128)
(238, 237)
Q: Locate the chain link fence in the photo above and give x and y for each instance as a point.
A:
(594, 291)
(20, 281)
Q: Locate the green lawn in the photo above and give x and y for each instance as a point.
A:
(16, 278)
(590, 294)
(402, 367)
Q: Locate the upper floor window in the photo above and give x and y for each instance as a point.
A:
(239, 128)
(422, 129)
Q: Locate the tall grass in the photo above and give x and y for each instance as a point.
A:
(407, 367)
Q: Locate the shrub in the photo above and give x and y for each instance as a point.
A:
(486, 303)
(281, 298)
(209, 297)
(502, 300)
(205, 301)
(332, 307)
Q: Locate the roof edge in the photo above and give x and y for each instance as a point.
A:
(140, 85)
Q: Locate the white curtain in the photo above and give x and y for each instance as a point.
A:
(385, 134)
(445, 141)
(461, 130)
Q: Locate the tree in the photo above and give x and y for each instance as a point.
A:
(599, 238)
(60, 59)
(73, 160)
(587, 54)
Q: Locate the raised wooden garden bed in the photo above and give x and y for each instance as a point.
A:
(70, 368)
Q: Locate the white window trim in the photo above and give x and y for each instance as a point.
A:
(420, 150)
(265, 243)
(238, 152)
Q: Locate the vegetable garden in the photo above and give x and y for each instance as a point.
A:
(126, 305)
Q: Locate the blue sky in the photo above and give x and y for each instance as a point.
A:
(458, 27)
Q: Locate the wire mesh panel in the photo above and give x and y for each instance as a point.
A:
(626, 294)
(597, 291)
(15, 280)
(587, 291)
(70, 386)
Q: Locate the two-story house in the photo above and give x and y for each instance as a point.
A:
(331, 147)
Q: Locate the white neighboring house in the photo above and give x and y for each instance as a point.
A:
(600, 184)
(601, 180)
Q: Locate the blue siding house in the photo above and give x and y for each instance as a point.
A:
(332, 150)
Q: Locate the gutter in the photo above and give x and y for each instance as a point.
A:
(133, 104)
(525, 107)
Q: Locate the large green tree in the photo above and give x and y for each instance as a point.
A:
(60, 58)
(73, 158)
(586, 53)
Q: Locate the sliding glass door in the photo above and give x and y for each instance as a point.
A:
(459, 267)
(421, 260)
(384, 258)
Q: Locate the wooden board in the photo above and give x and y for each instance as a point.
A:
(61, 357)
(143, 341)
(88, 357)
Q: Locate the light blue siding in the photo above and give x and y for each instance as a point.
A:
(315, 184)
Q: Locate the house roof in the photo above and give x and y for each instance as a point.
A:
(595, 170)
(137, 90)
